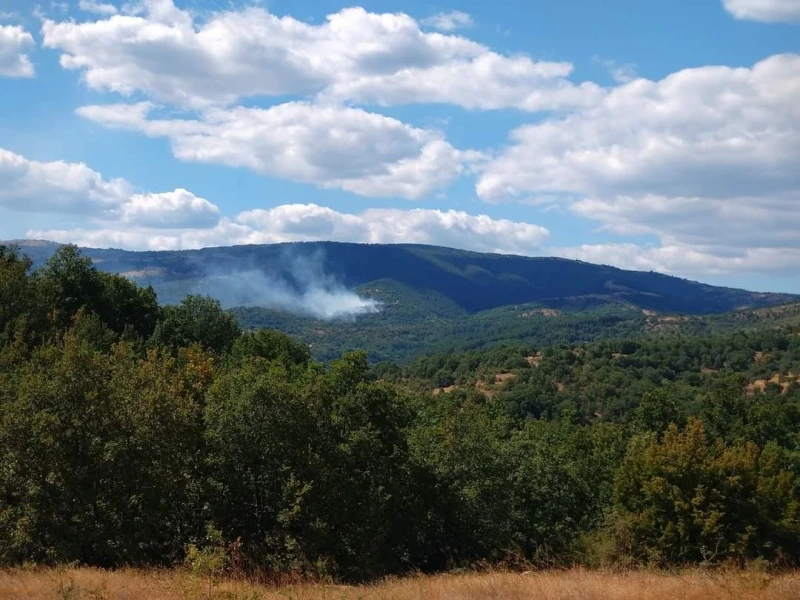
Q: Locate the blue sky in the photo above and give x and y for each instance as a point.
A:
(649, 135)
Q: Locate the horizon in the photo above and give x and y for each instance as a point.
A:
(19, 242)
(646, 136)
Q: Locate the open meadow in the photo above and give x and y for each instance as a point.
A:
(96, 584)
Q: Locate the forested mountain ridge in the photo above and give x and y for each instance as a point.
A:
(472, 281)
(413, 299)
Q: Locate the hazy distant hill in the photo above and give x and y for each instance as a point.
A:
(471, 280)
(410, 298)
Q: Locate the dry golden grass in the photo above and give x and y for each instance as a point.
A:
(96, 584)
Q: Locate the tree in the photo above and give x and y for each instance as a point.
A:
(69, 282)
(101, 455)
(196, 320)
(310, 468)
(270, 345)
(656, 411)
(684, 499)
(16, 296)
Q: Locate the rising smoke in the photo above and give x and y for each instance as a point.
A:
(300, 286)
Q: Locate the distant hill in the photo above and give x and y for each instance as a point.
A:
(428, 296)
(471, 280)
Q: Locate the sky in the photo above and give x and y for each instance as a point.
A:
(653, 135)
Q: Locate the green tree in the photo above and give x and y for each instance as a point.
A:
(270, 345)
(101, 455)
(16, 295)
(310, 468)
(196, 320)
(686, 500)
(464, 444)
(657, 410)
(69, 282)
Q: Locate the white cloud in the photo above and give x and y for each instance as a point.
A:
(704, 158)
(768, 11)
(747, 221)
(74, 188)
(328, 146)
(14, 42)
(487, 82)
(685, 260)
(354, 55)
(179, 208)
(308, 222)
(620, 72)
(57, 186)
(709, 132)
(100, 8)
(131, 238)
(449, 21)
(451, 228)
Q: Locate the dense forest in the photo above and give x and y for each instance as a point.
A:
(140, 434)
(425, 298)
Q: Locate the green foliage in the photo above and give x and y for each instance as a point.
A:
(132, 435)
(99, 454)
(686, 499)
(15, 287)
(657, 410)
(196, 320)
(69, 282)
(311, 470)
(270, 345)
(209, 559)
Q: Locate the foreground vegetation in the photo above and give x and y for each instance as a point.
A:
(136, 435)
(96, 584)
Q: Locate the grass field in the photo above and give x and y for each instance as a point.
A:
(94, 584)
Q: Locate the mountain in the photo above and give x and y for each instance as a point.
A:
(427, 296)
(472, 281)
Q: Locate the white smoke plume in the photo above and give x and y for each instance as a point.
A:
(300, 286)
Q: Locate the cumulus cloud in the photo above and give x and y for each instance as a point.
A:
(57, 186)
(328, 146)
(768, 11)
(488, 82)
(449, 21)
(225, 233)
(14, 42)
(354, 56)
(74, 188)
(709, 131)
(179, 208)
(100, 8)
(456, 229)
(704, 158)
(742, 221)
(685, 260)
(310, 222)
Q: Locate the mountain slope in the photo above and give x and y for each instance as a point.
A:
(432, 298)
(470, 281)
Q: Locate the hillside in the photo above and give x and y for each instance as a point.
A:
(471, 281)
(429, 298)
(134, 434)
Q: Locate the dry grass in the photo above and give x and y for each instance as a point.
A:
(95, 584)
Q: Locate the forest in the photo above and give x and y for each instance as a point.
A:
(403, 300)
(136, 434)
